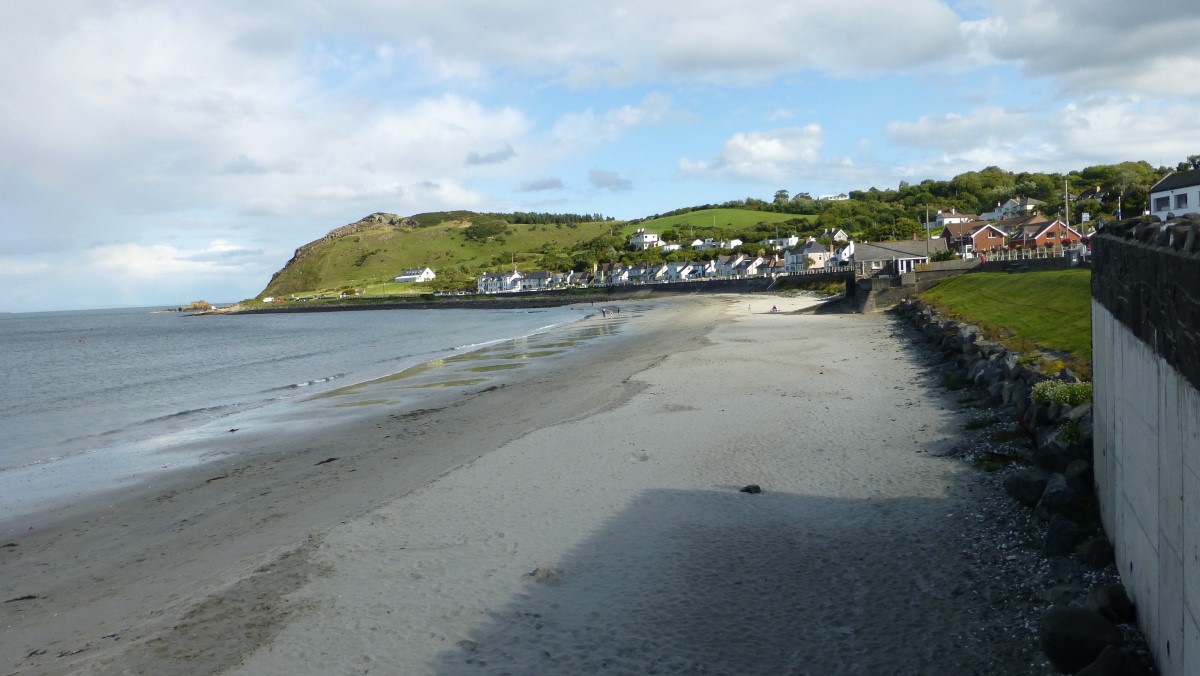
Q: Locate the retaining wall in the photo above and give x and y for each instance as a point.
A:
(1146, 376)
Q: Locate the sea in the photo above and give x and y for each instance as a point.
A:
(106, 385)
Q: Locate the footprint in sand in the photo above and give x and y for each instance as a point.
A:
(639, 456)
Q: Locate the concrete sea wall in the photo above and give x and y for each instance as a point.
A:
(1146, 406)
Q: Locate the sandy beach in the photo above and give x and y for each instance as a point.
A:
(583, 515)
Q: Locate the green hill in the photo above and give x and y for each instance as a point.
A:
(457, 245)
(721, 222)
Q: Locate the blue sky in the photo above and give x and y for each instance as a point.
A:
(154, 153)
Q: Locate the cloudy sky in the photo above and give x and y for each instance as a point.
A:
(162, 152)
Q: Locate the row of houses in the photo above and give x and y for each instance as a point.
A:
(969, 237)
(643, 240)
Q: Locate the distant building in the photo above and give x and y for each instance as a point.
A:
(1016, 206)
(1055, 233)
(835, 235)
(893, 258)
(644, 239)
(781, 243)
(500, 282)
(1176, 194)
(416, 275)
(812, 254)
(973, 237)
(834, 198)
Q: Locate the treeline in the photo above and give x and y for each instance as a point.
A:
(896, 213)
(532, 218)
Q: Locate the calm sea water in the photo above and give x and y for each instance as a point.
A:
(82, 382)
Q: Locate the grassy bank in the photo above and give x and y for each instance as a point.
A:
(1047, 312)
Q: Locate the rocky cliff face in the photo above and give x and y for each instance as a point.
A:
(374, 221)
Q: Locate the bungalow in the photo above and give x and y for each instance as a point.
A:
(416, 275)
(668, 247)
(972, 237)
(894, 257)
(1034, 235)
(644, 239)
(500, 282)
(1176, 194)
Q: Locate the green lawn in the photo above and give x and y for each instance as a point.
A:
(1031, 310)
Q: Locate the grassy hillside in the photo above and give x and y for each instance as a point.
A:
(725, 222)
(373, 255)
(1032, 310)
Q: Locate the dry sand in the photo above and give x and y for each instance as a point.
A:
(596, 526)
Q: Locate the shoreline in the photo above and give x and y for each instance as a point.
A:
(131, 563)
(595, 496)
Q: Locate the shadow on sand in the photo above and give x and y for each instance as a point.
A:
(724, 582)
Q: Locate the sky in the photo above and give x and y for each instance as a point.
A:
(156, 153)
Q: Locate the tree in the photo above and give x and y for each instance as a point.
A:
(781, 197)
(1194, 160)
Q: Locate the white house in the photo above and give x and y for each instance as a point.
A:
(738, 265)
(537, 280)
(644, 239)
(781, 243)
(679, 270)
(834, 198)
(416, 275)
(668, 247)
(710, 244)
(1176, 194)
(1015, 206)
(500, 282)
(835, 235)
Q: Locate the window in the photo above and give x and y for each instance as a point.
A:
(1181, 201)
(1051, 235)
(1162, 203)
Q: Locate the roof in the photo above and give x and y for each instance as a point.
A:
(1011, 224)
(960, 230)
(1181, 179)
(905, 248)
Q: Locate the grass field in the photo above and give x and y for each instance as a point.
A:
(705, 220)
(1032, 311)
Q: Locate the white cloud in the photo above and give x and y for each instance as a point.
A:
(608, 180)
(773, 155)
(1111, 45)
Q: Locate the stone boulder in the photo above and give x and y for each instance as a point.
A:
(1072, 637)
(1026, 486)
(1063, 536)
(1095, 552)
(1112, 603)
(1056, 499)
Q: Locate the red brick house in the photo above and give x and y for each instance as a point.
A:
(972, 237)
(1051, 234)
